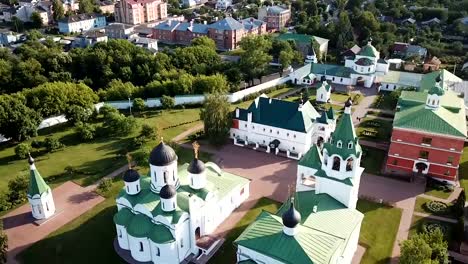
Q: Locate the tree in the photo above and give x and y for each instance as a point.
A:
(120, 125)
(17, 121)
(139, 104)
(117, 90)
(422, 248)
(3, 247)
(255, 58)
(285, 58)
(17, 188)
(18, 24)
(167, 102)
(36, 20)
(57, 8)
(216, 117)
(22, 150)
(85, 131)
(148, 132)
(52, 144)
(204, 42)
(210, 84)
(86, 6)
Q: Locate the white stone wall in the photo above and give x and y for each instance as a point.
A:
(323, 95)
(42, 207)
(383, 67)
(164, 253)
(122, 236)
(132, 188)
(139, 248)
(163, 175)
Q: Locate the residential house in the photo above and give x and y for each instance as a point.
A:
(431, 22)
(303, 42)
(223, 4)
(7, 37)
(148, 43)
(119, 31)
(70, 5)
(404, 51)
(276, 17)
(431, 64)
(136, 12)
(89, 39)
(26, 8)
(107, 7)
(81, 23)
(323, 91)
(429, 131)
(393, 80)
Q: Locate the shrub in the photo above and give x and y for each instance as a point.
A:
(459, 206)
(437, 207)
(17, 189)
(105, 185)
(106, 110)
(141, 157)
(5, 203)
(86, 132)
(139, 105)
(36, 144)
(430, 227)
(22, 150)
(167, 102)
(120, 125)
(138, 141)
(77, 114)
(52, 144)
(148, 132)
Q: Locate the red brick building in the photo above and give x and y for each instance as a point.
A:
(429, 131)
(226, 33)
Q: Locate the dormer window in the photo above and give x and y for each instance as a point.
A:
(350, 145)
(339, 144)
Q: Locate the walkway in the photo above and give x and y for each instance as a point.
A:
(187, 133)
(71, 200)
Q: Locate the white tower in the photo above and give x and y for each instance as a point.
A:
(131, 179)
(434, 95)
(163, 167)
(168, 195)
(196, 170)
(39, 194)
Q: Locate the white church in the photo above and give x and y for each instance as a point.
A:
(39, 194)
(360, 69)
(281, 127)
(320, 223)
(168, 215)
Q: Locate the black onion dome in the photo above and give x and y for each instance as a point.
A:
(162, 155)
(167, 192)
(196, 166)
(291, 217)
(348, 102)
(131, 175)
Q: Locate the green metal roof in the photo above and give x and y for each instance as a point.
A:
(448, 119)
(301, 38)
(123, 216)
(368, 51)
(281, 114)
(139, 225)
(428, 80)
(436, 89)
(322, 234)
(160, 234)
(345, 133)
(37, 185)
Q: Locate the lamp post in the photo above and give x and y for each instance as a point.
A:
(130, 104)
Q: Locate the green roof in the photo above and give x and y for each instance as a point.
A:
(436, 89)
(345, 133)
(37, 185)
(368, 51)
(159, 234)
(123, 216)
(448, 119)
(281, 114)
(139, 225)
(321, 235)
(429, 79)
(301, 38)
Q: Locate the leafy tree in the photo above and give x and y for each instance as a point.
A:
(117, 90)
(52, 144)
(17, 23)
(22, 150)
(34, 34)
(344, 30)
(108, 110)
(36, 20)
(86, 6)
(149, 132)
(17, 188)
(120, 125)
(425, 248)
(85, 131)
(105, 185)
(139, 104)
(233, 76)
(216, 116)
(57, 8)
(167, 102)
(204, 42)
(255, 58)
(5, 74)
(76, 113)
(17, 121)
(210, 84)
(3, 247)
(285, 58)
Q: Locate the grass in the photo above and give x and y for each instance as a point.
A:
(418, 221)
(378, 231)
(384, 101)
(420, 207)
(463, 170)
(437, 193)
(382, 132)
(93, 159)
(89, 238)
(273, 94)
(372, 160)
(227, 252)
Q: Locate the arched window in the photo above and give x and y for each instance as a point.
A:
(158, 252)
(165, 177)
(141, 246)
(47, 206)
(339, 144)
(191, 180)
(138, 188)
(155, 178)
(350, 145)
(128, 189)
(349, 164)
(336, 164)
(120, 233)
(433, 102)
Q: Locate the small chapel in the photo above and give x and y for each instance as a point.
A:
(319, 224)
(168, 215)
(39, 194)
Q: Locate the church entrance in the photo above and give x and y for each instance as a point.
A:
(360, 81)
(420, 166)
(320, 141)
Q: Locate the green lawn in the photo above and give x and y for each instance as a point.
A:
(419, 206)
(463, 170)
(89, 238)
(92, 160)
(372, 160)
(227, 253)
(378, 231)
(384, 101)
(273, 94)
(418, 221)
(437, 193)
(381, 129)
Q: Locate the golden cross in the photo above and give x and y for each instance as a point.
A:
(162, 140)
(196, 146)
(129, 160)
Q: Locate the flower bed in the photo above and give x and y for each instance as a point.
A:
(437, 207)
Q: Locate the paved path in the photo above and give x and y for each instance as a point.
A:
(71, 200)
(187, 133)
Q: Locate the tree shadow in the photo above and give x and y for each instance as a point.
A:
(82, 197)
